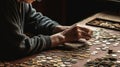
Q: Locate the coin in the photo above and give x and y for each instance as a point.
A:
(114, 55)
(98, 48)
(117, 61)
(49, 58)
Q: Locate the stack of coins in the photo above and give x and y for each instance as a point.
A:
(53, 58)
(105, 23)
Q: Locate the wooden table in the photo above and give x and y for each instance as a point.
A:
(104, 15)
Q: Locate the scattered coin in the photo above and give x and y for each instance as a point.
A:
(114, 55)
(118, 51)
(117, 61)
(98, 48)
(94, 52)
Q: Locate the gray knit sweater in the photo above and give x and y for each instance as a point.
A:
(16, 19)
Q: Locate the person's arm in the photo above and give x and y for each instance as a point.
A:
(38, 23)
(67, 33)
(16, 42)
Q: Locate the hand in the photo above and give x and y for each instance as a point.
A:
(76, 32)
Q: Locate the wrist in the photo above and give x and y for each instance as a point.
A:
(57, 39)
(57, 29)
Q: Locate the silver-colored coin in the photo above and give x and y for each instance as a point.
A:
(118, 39)
(98, 48)
(94, 52)
(112, 40)
(115, 44)
(74, 61)
(67, 63)
(49, 58)
(118, 51)
(117, 61)
(104, 45)
(105, 41)
(114, 55)
(55, 65)
(59, 63)
(108, 43)
(88, 60)
(103, 48)
(97, 42)
(58, 60)
(114, 36)
(89, 43)
(62, 65)
(43, 60)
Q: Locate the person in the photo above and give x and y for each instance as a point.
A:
(25, 31)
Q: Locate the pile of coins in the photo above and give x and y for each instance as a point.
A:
(104, 38)
(58, 58)
(103, 62)
(105, 23)
(110, 60)
(53, 58)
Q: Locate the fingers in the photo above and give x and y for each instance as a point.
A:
(83, 28)
(74, 33)
(85, 35)
(84, 32)
(87, 30)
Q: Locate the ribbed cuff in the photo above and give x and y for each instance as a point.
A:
(48, 42)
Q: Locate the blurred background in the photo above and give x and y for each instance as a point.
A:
(68, 12)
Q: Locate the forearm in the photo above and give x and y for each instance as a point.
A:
(60, 28)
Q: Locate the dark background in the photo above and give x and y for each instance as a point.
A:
(68, 12)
